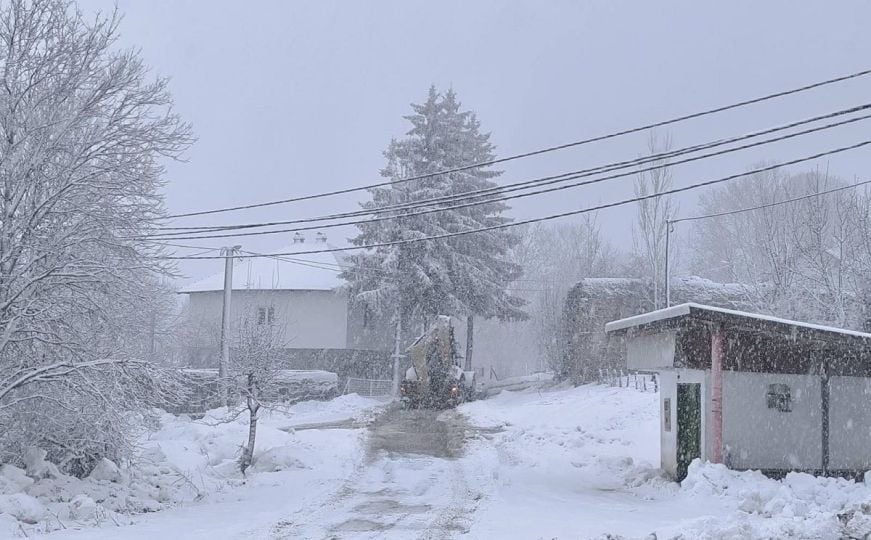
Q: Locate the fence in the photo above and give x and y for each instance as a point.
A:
(641, 381)
(369, 387)
(482, 373)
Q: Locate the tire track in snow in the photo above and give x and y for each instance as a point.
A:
(413, 484)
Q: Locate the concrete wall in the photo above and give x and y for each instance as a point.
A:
(668, 437)
(304, 319)
(668, 381)
(757, 437)
(849, 423)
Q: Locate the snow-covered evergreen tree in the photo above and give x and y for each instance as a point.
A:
(460, 276)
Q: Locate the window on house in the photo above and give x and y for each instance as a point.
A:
(779, 397)
(266, 315)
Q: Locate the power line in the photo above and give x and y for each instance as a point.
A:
(769, 205)
(321, 265)
(175, 236)
(563, 214)
(201, 248)
(535, 152)
(516, 186)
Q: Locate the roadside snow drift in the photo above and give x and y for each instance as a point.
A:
(187, 470)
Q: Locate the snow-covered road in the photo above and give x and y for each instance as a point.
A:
(565, 463)
(411, 484)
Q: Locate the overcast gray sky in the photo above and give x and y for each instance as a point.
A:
(289, 98)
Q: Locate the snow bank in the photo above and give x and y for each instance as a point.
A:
(22, 507)
(535, 380)
(179, 461)
(800, 505)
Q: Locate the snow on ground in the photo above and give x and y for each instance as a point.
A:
(195, 482)
(514, 384)
(411, 485)
(581, 463)
(566, 463)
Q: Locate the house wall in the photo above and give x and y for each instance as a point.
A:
(304, 319)
(668, 437)
(668, 381)
(654, 351)
(756, 437)
(849, 423)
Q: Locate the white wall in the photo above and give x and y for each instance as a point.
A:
(757, 437)
(649, 352)
(305, 319)
(849, 423)
(668, 439)
(668, 381)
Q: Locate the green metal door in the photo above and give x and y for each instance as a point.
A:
(689, 426)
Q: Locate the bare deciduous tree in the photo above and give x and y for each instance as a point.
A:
(83, 131)
(653, 214)
(805, 259)
(554, 259)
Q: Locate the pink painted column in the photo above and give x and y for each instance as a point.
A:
(717, 348)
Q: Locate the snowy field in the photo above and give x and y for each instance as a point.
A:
(563, 463)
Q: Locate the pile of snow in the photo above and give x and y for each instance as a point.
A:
(179, 460)
(523, 382)
(584, 463)
(799, 506)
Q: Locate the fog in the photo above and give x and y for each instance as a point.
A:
(289, 98)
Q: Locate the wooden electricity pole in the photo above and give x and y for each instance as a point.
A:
(470, 338)
(669, 227)
(229, 253)
(397, 354)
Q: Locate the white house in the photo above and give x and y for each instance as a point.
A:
(301, 297)
(754, 392)
(306, 301)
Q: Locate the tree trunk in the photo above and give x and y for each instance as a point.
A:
(470, 338)
(253, 406)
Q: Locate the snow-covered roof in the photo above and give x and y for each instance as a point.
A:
(683, 310)
(313, 272)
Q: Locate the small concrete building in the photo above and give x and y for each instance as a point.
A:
(754, 392)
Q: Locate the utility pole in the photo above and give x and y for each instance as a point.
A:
(669, 225)
(470, 338)
(228, 253)
(397, 347)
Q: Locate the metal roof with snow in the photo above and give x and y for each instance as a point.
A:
(709, 314)
(313, 272)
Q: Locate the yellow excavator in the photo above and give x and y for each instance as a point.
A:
(435, 380)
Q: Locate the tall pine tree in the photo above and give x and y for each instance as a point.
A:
(461, 276)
